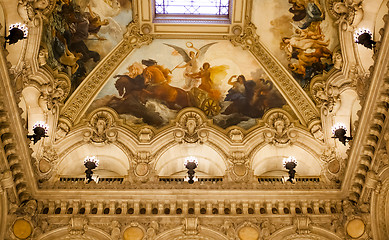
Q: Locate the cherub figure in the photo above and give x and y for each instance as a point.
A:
(190, 62)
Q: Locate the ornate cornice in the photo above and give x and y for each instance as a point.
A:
(371, 123)
(13, 140)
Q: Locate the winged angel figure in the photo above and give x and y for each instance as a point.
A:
(190, 62)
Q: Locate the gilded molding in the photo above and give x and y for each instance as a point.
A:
(296, 97)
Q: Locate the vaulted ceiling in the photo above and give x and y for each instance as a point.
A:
(142, 92)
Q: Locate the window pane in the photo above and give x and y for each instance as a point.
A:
(202, 7)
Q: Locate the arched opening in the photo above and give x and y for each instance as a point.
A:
(171, 162)
(269, 161)
(113, 162)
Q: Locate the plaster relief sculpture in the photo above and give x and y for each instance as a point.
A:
(317, 132)
(152, 230)
(302, 225)
(337, 227)
(141, 167)
(349, 11)
(326, 97)
(46, 163)
(334, 166)
(77, 225)
(115, 230)
(280, 130)
(236, 135)
(191, 226)
(42, 56)
(145, 135)
(337, 60)
(102, 128)
(7, 183)
(267, 228)
(249, 230)
(228, 229)
(238, 170)
(360, 80)
(62, 131)
(54, 93)
(191, 131)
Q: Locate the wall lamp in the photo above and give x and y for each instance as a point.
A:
(339, 130)
(290, 164)
(90, 163)
(191, 164)
(40, 130)
(364, 37)
(17, 32)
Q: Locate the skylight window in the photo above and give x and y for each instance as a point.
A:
(192, 7)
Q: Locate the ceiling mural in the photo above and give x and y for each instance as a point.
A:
(300, 33)
(80, 33)
(158, 80)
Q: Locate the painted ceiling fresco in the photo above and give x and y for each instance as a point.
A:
(300, 33)
(80, 33)
(158, 80)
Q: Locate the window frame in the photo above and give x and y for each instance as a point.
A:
(192, 18)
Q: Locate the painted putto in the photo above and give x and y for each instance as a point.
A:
(307, 49)
(299, 34)
(157, 81)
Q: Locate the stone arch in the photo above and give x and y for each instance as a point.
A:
(111, 157)
(63, 233)
(307, 163)
(316, 233)
(170, 162)
(204, 233)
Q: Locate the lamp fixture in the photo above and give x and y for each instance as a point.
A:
(40, 130)
(17, 32)
(290, 163)
(364, 37)
(191, 164)
(339, 130)
(90, 163)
